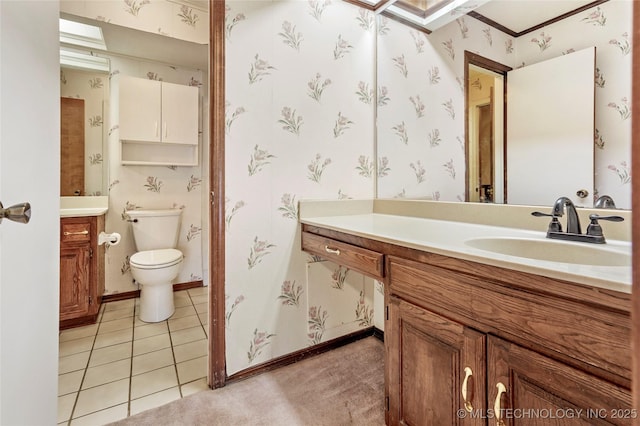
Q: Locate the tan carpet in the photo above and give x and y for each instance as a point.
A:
(344, 386)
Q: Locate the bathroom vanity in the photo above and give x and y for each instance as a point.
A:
(81, 262)
(483, 338)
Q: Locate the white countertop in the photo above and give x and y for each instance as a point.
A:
(448, 238)
(83, 206)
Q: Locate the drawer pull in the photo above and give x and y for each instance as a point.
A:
(332, 250)
(496, 406)
(467, 403)
(85, 232)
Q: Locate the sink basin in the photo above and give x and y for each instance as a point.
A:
(554, 251)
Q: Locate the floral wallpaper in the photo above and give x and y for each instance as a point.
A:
(300, 94)
(152, 187)
(94, 89)
(421, 97)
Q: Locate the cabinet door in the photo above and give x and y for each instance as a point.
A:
(140, 114)
(74, 282)
(179, 114)
(429, 358)
(541, 391)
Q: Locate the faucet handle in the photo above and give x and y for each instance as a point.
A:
(594, 227)
(554, 225)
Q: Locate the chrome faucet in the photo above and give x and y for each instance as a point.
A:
(604, 202)
(573, 221)
(574, 233)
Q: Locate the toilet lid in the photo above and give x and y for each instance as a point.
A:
(156, 258)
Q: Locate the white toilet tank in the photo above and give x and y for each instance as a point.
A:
(155, 229)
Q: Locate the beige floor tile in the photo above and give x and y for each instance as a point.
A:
(149, 330)
(120, 304)
(110, 354)
(113, 338)
(67, 364)
(184, 322)
(150, 344)
(180, 301)
(154, 400)
(65, 406)
(102, 417)
(204, 318)
(187, 335)
(194, 387)
(198, 291)
(115, 325)
(75, 346)
(191, 370)
(202, 308)
(190, 350)
(184, 311)
(78, 332)
(203, 298)
(107, 373)
(69, 382)
(153, 381)
(117, 314)
(101, 397)
(152, 361)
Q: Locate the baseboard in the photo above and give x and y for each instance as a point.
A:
(377, 333)
(136, 293)
(301, 354)
(77, 322)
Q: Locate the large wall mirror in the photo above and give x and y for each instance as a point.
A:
(430, 91)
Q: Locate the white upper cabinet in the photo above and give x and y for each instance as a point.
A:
(158, 122)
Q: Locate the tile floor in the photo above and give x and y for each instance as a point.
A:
(121, 366)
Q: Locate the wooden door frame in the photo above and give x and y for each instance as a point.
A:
(217, 365)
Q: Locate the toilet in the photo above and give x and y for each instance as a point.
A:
(157, 262)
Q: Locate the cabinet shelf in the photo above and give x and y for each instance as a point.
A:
(158, 154)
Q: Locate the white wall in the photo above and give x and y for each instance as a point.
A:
(29, 171)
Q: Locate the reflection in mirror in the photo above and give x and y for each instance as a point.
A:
(485, 91)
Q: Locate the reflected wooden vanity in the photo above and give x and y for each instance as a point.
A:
(469, 343)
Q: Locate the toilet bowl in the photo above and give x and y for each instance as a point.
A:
(155, 270)
(157, 262)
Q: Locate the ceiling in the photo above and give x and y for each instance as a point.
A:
(155, 47)
(521, 15)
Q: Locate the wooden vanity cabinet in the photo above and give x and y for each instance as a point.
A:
(81, 270)
(455, 329)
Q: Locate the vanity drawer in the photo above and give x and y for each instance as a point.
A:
(75, 231)
(367, 262)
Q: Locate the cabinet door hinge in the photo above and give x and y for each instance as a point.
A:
(386, 403)
(90, 300)
(90, 252)
(386, 308)
(212, 197)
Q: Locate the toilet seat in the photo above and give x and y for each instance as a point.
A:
(156, 259)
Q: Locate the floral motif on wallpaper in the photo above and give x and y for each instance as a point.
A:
(258, 250)
(289, 35)
(290, 293)
(153, 184)
(383, 99)
(508, 46)
(623, 170)
(259, 159)
(366, 19)
(316, 86)
(448, 47)
(134, 6)
(622, 44)
(193, 183)
(342, 48)
(317, 324)
(291, 122)
(316, 168)
(228, 120)
(448, 106)
(342, 124)
(464, 29)
(259, 69)
(543, 41)
(401, 131)
(434, 75)
(365, 166)
(126, 266)
(229, 310)
(318, 7)
(96, 83)
(230, 213)
(95, 159)
(595, 18)
(338, 277)
(434, 138)
(259, 341)
(600, 81)
(289, 207)
(188, 16)
(365, 93)
(598, 139)
(95, 121)
(194, 231)
(623, 108)
(487, 35)
(418, 105)
(364, 312)
(418, 40)
(229, 22)
(383, 167)
(450, 168)
(419, 171)
(401, 64)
